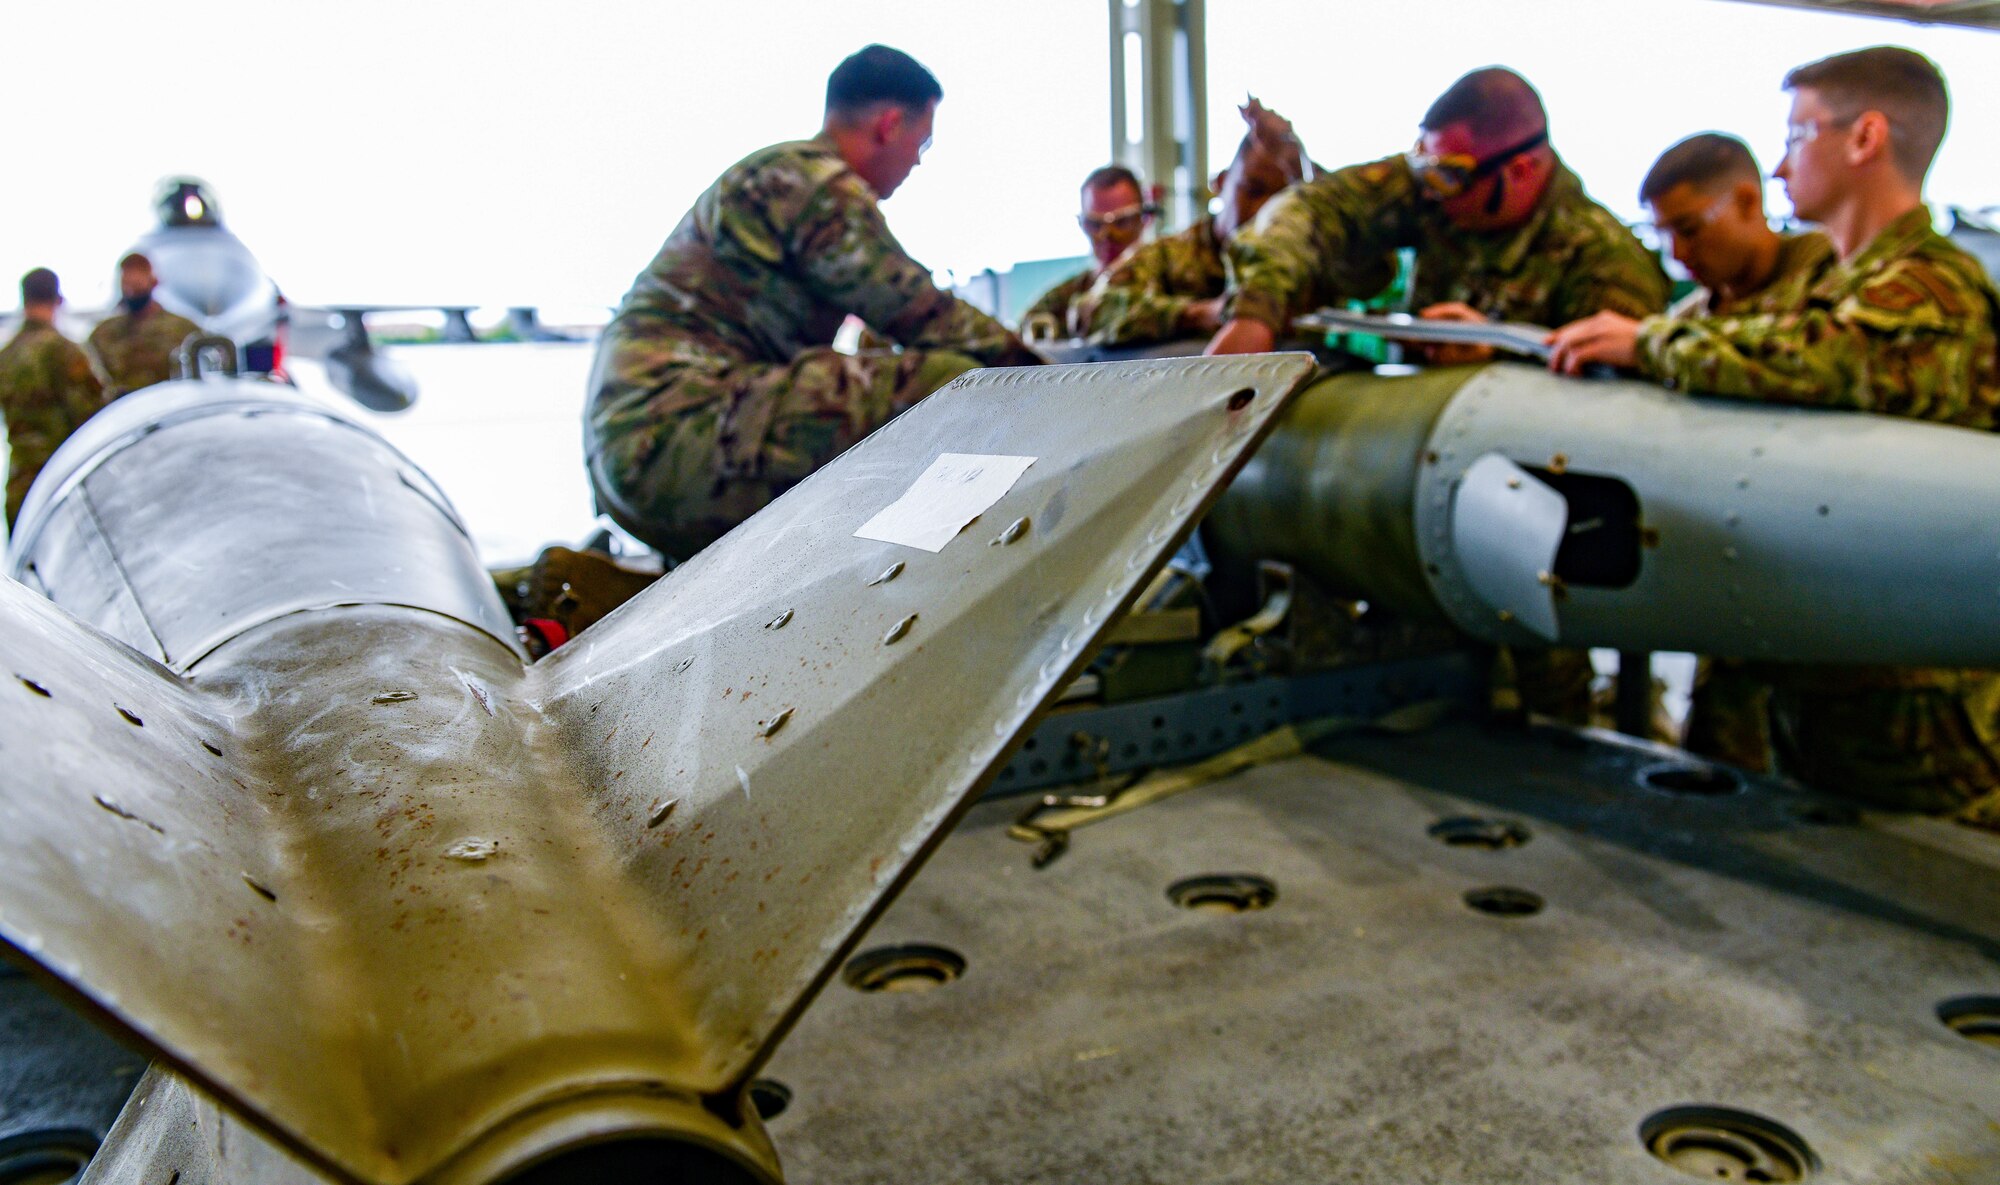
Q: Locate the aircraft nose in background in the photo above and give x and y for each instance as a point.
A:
(208, 271)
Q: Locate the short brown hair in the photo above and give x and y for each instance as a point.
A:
(1704, 161)
(1902, 84)
(134, 260)
(1110, 176)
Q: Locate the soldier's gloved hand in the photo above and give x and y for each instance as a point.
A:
(1452, 353)
(1611, 339)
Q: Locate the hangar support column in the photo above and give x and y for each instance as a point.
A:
(1159, 81)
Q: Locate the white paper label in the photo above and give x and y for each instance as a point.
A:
(957, 488)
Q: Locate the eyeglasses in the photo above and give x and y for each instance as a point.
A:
(1449, 174)
(1805, 133)
(1123, 218)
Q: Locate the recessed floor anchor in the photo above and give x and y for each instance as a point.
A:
(1471, 831)
(1504, 901)
(769, 1097)
(1691, 779)
(53, 1155)
(1233, 892)
(1975, 1018)
(910, 968)
(1723, 1144)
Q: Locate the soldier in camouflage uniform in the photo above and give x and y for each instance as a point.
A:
(47, 389)
(1904, 324)
(1115, 214)
(1173, 287)
(1706, 196)
(715, 387)
(135, 348)
(1501, 229)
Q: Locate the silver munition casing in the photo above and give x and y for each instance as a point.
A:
(182, 516)
(391, 906)
(1780, 533)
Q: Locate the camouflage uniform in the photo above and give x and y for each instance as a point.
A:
(1333, 239)
(1141, 297)
(47, 391)
(1910, 326)
(1055, 304)
(715, 386)
(137, 351)
(1729, 716)
(1905, 328)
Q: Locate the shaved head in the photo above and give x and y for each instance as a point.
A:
(1495, 104)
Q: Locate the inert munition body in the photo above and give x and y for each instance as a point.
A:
(1530, 509)
(284, 802)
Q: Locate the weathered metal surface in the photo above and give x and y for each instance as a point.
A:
(1785, 533)
(1334, 489)
(418, 912)
(1800, 534)
(183, 515)
(1369, 1027)
(880, 740)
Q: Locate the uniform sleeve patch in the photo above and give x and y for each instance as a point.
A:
(1895, 295)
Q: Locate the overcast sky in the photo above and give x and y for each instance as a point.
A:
(537, 152)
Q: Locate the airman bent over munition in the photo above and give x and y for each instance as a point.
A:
(1502, 231)
(716, 387)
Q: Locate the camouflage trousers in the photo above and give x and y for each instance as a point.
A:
(715, 443)
(1931, 746)
(1555, 683)
(1729, 714)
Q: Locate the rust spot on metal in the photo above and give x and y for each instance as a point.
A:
(1559, 463)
